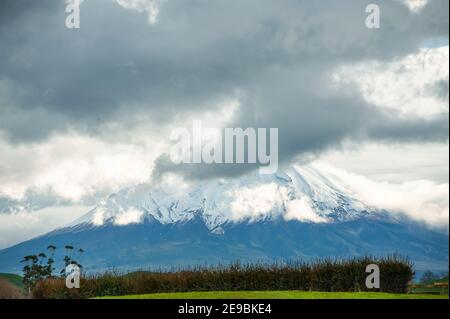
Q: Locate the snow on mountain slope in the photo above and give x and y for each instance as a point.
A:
(305, 212)
(301, 193)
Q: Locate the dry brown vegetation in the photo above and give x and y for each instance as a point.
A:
(8, 290)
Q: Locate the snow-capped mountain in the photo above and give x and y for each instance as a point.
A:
(300, 213)
(253, 198)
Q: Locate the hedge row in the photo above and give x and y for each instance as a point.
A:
(319, 275)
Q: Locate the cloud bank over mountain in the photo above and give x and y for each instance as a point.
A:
(87, 112)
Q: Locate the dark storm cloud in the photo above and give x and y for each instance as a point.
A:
(12, 11)
(275, 56)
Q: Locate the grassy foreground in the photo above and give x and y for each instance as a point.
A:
(277, 295)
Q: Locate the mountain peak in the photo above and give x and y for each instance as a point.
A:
(301, 192)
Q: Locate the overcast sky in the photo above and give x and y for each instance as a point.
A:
(86, 112)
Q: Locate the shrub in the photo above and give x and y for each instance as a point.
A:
(318, 275)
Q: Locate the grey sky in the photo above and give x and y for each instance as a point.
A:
(120, 83)
(277, 53)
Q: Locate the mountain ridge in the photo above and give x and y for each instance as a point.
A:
(300, 214)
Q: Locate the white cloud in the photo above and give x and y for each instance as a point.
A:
(121, 218)
(415, 5)
(73, 166)
(130, 216)
(262, 200)
(421, 200)
(403, 85)
(252, 202)
(172, 183)
(74, 1)
(394, 163)
(303, 211)
(151, 7)
(99, 217)
(24, 225)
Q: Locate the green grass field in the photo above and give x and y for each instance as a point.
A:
(278, 295)
(430, 290)
(16, 280)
